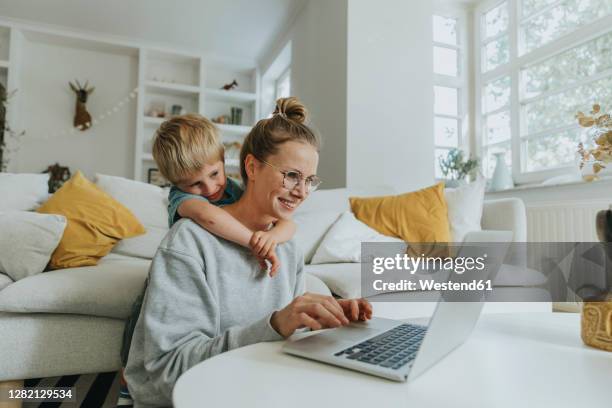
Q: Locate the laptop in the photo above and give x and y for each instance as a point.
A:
(393, 349)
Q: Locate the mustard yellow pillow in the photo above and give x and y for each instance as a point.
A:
(96, 222)
(420, 216)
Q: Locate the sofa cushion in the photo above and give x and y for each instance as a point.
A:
(465, 208)
(342, 243)
(28, 239)
(5, 280)
(343, 279)
(148, 203)
(107, 289)
(96, 222)
(311, 228)
(419, 216)
(22, 192)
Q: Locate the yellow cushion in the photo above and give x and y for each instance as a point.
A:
(96, 222)
(420, 216)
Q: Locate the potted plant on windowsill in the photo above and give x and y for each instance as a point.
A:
(455, 168)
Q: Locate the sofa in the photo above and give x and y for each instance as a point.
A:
(71, 321)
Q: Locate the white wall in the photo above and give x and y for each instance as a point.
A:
(318, 78)
(390, 94)
(49, 105)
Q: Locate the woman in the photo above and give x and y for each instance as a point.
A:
(207, 295)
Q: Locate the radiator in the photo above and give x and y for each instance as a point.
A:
(570, 221)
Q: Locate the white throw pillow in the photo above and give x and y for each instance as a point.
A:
(465, 205)
(148, 203)
(22, 192)
(27, 241)
(311, 228)
(342, 243)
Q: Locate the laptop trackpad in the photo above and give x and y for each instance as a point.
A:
(352, 333)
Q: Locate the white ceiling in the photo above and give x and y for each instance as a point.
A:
(236, 28)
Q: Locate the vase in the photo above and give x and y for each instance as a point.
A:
(502, 176)
(596, 321)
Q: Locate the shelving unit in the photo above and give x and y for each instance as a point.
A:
(167, 82)
(194, 83)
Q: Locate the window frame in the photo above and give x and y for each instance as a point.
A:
(518, 62)
(283, 76)
(461, 82)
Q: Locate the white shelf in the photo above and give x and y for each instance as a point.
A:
(147, 157)
(234, 129)
(172, 88)
(230, 96)
(153, 121)
(232, 163)
(4, 64)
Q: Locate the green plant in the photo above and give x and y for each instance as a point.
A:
(6, 132)
(455, 167)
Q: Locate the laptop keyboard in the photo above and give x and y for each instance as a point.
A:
(392, 349)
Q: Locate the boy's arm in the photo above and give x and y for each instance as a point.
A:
(215, 220)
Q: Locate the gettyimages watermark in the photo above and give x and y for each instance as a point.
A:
(486, 271)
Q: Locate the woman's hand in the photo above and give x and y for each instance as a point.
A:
(356, 309)
(319, 312)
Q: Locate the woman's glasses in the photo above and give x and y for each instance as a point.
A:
(293, 178)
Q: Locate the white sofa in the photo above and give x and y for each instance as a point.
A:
(71, 321)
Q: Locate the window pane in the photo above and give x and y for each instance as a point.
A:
(569, 67)
(560, 109)
(497, 94)
(552, 151)
(446, 132)
(496, 53)
(489, 160)
(564, 18)
(531, 6)
(283, 86)
(440, 153)
(445, 61)
(445, 30)
(496, 20)
(497, 127)
(446, 100)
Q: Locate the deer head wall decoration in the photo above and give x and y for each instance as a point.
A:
(82, 118)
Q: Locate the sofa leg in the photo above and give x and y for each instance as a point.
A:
(5, 386)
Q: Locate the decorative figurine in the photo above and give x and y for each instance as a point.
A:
(230, 86)
(82, 118)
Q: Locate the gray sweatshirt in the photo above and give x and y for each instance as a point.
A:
(205, 296)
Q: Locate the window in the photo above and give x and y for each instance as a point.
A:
(450, 90)
(540, 61)
(283, 85)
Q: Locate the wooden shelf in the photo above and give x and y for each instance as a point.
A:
(234, 129)
(230, 96)
(172, 89)
(4, 64)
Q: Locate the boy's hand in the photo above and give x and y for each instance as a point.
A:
(274, 263)
(263, 243)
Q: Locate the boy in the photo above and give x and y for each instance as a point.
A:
(189, 154)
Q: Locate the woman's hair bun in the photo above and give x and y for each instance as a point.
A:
(292, 109)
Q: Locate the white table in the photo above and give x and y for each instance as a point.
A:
(511, 360)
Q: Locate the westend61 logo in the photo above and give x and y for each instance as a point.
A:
(423, 263)
(493, 271)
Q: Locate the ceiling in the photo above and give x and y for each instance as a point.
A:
(236, 28)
